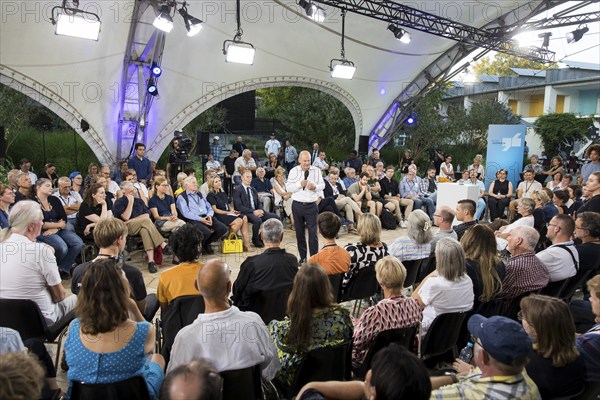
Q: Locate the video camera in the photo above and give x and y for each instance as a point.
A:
(183, 148)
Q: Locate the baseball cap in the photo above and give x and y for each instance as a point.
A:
(504, 339)
(216, 138)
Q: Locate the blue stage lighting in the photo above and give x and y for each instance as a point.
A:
(152, 89)
(410, 120)
(156, 69)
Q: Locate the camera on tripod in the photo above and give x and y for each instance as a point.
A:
(182, 147)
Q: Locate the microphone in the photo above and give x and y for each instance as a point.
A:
(305, 178)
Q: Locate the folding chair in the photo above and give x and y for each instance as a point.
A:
(134, 388)
(242, 384)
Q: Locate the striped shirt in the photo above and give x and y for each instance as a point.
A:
(391, 313)
(524, 273)
(588, 345)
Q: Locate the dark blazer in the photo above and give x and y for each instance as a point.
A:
(241, 202)
(328, 191)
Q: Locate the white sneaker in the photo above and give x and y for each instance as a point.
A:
(402, 224)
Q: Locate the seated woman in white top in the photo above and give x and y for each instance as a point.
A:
(448, 289)
(446, 169)
(525, 207)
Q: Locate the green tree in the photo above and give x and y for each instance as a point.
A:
(502, 64)
(558, 128)
(480, 116)
(310, 115)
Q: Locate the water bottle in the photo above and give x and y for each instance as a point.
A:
(458, 168)
(466, 354)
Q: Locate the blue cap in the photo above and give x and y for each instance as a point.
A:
(74, 174)
(502, 338)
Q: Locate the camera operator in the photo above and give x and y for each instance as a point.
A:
(178, 158)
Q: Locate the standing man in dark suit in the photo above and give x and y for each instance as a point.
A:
(245, 200)
(315, 153)
(305, 182)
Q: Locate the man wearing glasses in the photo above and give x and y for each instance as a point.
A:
(561, 259)
(500, 350)
(70, 200)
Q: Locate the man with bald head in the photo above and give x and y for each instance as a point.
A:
(229, 338)
(443, 218)
(305, 182)
(197, 379)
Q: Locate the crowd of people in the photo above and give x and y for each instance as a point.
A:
(550, 237)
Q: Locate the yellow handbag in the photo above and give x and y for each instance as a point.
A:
(232, 244)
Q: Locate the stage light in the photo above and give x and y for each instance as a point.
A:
(546, 37)
(410, 120)
(312, 10)
(237, 51)
(192, 24)
(577, 34)
(152, 88)
(342, 68)
(400, 34)
(156, 69)
(71, 21)
(164, 21)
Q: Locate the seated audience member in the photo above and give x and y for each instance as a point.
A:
(246, 201)
(282, 197)
(588, 344)
(12, 177)
(136, 215)
(443, 218)
(429, 184)
(220, 333)
(484, 267)
(410, 188)
(110, 236)
(21, 376)
(591, 192)
(213, 164)
(575, 193)
(556, 182)
(31, 272)
(464, 178)
(91, 175)
(446, 168)
(163, 209)
(500, 352)
(334, 189)
(273, 269)
(499, 195)
(112, 185)
(7, 199)
(526, 207)
(368, 250)
(195, 209)
(110, 341)
(101, 180)
(390, 192)
(416, 244)
(244, 162)
(478, 167)
(560, 200)
(117, 174)
(556, 165)
(23, 187)
(448, 288)
(25, 166)
(77, 182)
(314, 321)
(555, 364)
(395, 373)
(525, 272)
(225, 213)
(179, 184)
(534, 166)
(179, 281)
(394, 311)
(50, 174)
(361, 194)
(141, 189)
(208, 175)
(473, 181)
(587, 229)
(197, 379)
(332, 258)
(465, 213)
(93, 209)
(350, 177)
(271, 165)
(561, 258)
(524, 190)
(264, 189)
(66, 244)
(544, 210)
(71, 201)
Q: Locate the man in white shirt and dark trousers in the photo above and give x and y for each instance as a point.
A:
(561, 259)
(305, 182)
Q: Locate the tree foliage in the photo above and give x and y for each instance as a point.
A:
(557, 129)
(482, 114)
(310, 115)
(502, 63)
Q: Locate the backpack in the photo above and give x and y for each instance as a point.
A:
(388, 220)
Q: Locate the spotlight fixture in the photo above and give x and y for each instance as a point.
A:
(151, 88)
(342, 68)
(577, 34)
(237, 51)
(192, 24)
(399, 33)
(410, 120)
(156, 69)
(164, 21)
(546, 37)
(313, 11)
(71, 21)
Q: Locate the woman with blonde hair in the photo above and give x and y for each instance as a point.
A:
(225, 212)
(484, 266)
(162, 207)
(282, 197)
(555, 364)
(417, 244)
(368, 250)
(447, 289)
(394, 311)
(478, 167)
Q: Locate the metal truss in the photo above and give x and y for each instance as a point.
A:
(145, 45)
(408, 17)
(558, 20)
(444, 68)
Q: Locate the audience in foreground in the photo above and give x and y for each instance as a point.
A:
(314, 321)
(21, 376)
(197, 379)
(332, 258)
(395, 374)
(110, 341)
(589, 343)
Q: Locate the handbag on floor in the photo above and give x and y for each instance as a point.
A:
(232, 244)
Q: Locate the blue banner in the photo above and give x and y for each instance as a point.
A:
(504, 151)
